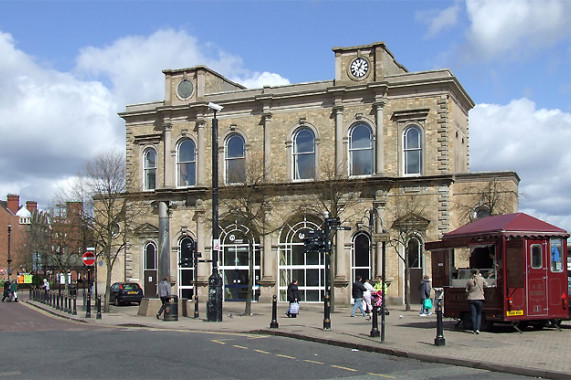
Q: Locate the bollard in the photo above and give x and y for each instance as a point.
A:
(439, 340)
(65, 303)
(57, 301)
(69, 304)
(375, 328)
(88, 306)
(327, 312)
(196, 306)
(74, 305)
(274, 323)
(98, 316)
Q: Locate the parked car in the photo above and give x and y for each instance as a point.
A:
(125, 293)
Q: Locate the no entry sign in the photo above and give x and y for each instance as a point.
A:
(89, 258)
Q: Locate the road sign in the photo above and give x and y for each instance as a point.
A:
(89, 258)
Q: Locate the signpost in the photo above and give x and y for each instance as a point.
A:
(89, 261)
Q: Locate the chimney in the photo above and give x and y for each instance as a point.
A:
(32, 206)
(13, 203)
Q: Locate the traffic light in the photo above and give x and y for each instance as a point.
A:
(315, 241)
(190, 261)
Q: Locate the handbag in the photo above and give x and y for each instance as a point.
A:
(293, 308)
(427, 304)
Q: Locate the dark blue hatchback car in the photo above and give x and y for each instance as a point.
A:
(125, 293)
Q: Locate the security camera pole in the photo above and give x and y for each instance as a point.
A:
(214, 304)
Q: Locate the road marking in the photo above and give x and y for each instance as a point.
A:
(381, 375)
(220, 341)
(286, 356)
(313, 361)
(14, 373)
(263, 352)
(242, 347)
(345, 368)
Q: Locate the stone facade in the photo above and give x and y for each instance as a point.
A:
(377, 134)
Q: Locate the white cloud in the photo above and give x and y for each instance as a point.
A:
(533, 142)
(52, 122)
(439, 21)
(510, 29)
(257, 80)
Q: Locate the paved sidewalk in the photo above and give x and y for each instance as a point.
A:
(542, 353)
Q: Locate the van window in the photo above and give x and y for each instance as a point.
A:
(536, 256)
(556, 255)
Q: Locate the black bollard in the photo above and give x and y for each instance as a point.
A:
(274, 324)
(196, 315)
(69, 304)
(98, 316)
(327, 312)
(439, 340)
(88, 306)
(65, 303)
(74, 305)
(375, 329)
(57, 301)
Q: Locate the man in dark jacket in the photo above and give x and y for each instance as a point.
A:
(358, 289)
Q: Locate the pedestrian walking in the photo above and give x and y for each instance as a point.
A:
(6, 293)
(164, 295)
(358, 290)
(475, 289)
(425, 302)
(14, 291)
(367, 297)
(293, 298)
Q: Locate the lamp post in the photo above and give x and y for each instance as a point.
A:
(214, 304)
(383, 238)
(9, 259)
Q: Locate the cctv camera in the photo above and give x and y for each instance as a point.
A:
(215, 106)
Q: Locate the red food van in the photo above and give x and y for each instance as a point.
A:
(524, 262)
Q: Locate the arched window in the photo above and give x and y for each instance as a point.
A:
(304, 154)
(412, 150)
(361, 154)
(186, 163)
(361, 256)
(235, 159)
(150, 169)
(414, 253)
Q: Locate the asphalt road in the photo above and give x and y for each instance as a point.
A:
(36, 345)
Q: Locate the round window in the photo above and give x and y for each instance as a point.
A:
(185, 89)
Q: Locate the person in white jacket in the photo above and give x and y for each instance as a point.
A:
(367, 297)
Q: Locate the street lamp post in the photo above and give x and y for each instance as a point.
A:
(383, 239)
(214, 304)
(9, 259)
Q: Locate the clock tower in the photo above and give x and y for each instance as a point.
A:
(366, 63)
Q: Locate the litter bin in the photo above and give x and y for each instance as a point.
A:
(171, 310)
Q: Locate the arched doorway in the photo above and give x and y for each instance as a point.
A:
(236, 242)
(186, 273)
(361, 261)
(415, 264)
(307, 268)
(150, 269)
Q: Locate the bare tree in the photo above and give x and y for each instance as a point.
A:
(105, 182)
(408, 221)
(248, 202)
(333, 193)
(486, 199)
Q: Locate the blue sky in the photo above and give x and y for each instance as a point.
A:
(68, 67)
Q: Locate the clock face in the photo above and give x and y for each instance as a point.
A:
(359, 67)
(185, 89)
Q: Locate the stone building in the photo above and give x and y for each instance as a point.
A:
(376, 137)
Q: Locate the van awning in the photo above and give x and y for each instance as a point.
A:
(494, 227)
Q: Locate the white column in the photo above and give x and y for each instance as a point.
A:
(200, 148)
(267, 145)
(339, 151)
(167, 156)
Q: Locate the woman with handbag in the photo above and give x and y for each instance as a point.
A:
(293, 298)
(475, 289)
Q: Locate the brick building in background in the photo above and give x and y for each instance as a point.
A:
(19, 218)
